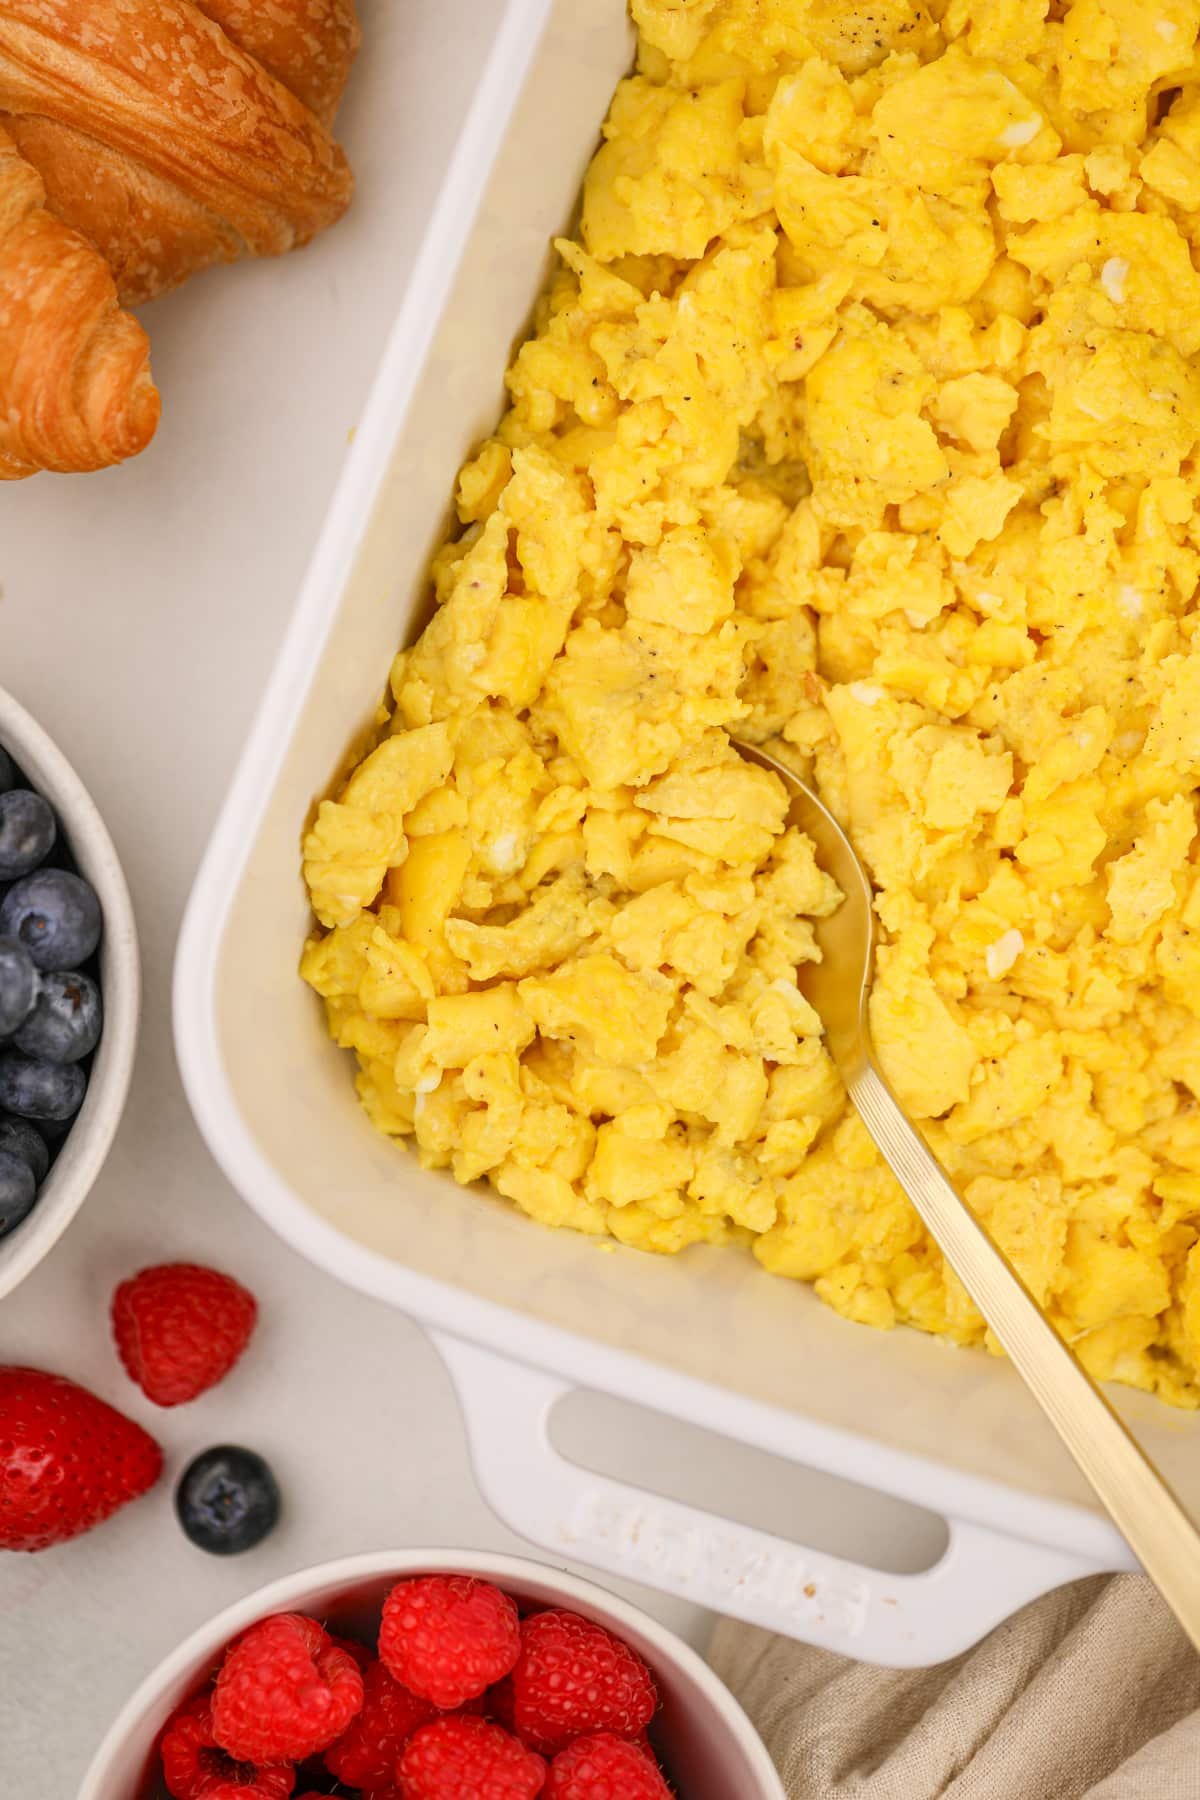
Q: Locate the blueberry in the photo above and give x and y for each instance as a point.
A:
(227, 1500)
(65, 1021)
(18, 1190)
(33, 1088)
(18, 985)
(27, 832)
(19, 1136)
(8, 775)
(55, 915)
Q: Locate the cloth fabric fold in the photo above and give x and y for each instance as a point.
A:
(1090, 1693)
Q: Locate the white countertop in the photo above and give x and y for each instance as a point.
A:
(140, 612)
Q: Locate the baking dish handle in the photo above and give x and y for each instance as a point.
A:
(898, 1620)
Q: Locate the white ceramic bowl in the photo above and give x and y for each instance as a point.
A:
(712, 1749)
(87, 1144)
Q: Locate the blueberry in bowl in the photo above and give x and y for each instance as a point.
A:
(36, 1089)
(55, 915)
(65, 1020)
(19, 1138)
(69, 992)
(28, 828)
(18, 1190)
(18, 986)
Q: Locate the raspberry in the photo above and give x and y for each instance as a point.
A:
(192, 1760)
(574, 1678)
(498, 1704)
(449, 1637)
(605, 1768)
(180, 1328)
(361, 1653)
(284, 1692)
(365, 1754)
(456, 1758)
(230, 1790)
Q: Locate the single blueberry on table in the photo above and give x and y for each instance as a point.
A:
(65, 1021)
(33, 1088)
(18, 985)
(27, 832)
(18, 1191)
(56, 915)
(227, 1500)
(8, 775)
(25, 1141)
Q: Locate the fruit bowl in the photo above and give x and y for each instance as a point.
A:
(85, 1145)
(706, 1742)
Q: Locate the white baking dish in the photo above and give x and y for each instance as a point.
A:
(707, 1338)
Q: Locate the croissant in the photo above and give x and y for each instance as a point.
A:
(75, 385)
(175, 135)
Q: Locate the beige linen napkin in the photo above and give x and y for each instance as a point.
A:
(1090, 1693)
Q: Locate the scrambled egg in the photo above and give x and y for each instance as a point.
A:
(861, 418)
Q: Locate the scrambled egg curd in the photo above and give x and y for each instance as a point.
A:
(861, 418)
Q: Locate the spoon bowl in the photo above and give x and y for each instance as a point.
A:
(839, 986)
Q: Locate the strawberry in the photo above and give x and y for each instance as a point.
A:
(67, 1460)
(180, 1328)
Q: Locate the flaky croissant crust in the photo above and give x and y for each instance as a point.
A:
(76, 391)
(174, 135)
(140, 141)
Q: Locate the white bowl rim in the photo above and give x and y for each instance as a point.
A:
(286, 1593)
(84, 1151)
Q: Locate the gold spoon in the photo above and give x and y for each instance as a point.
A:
(1142, 1506)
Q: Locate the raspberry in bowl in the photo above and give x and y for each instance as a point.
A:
(420, 1675)
(70, 992)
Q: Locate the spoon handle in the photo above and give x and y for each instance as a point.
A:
(1143, 1507)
